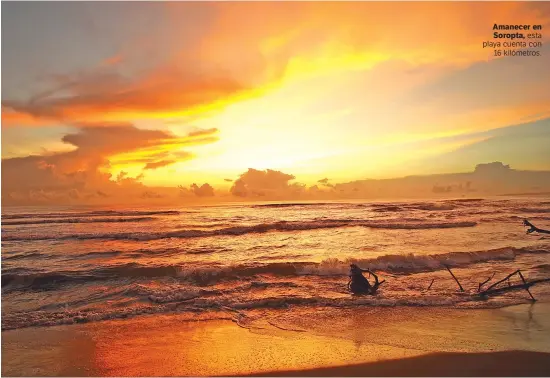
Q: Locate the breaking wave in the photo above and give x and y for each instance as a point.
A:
(205, 275)
(412, 263)
(243, 230)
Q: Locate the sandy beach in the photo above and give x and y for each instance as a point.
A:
(514, 343)
(498, 364)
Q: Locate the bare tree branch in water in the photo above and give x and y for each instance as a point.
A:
(533, 228)
(459, 285)
(484, 282)
(507, 278)
(359, 284)
(494, 290)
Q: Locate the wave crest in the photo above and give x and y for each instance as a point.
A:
(412, 263)
(243, 230)
(207, 275)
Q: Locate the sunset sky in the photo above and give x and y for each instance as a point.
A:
(167, 94)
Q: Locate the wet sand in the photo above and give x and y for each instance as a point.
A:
(171, 345)
(166, 346)
(494, 364)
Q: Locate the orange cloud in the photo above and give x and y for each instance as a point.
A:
(83, 172)
(309, 38)
(244, 53)
(268, 183)
(164, 151)
(159, 164)
(205, 190)
(13, 117)
(110, 98)
(325, 182)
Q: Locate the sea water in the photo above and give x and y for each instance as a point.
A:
(80, 264)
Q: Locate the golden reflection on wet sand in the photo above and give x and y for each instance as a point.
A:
(170, 345)
(167, 346)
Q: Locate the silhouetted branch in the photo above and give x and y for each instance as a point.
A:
(431, 283)
(507, 278)
(459, 285)
(359, 284)
(524, 286)
(493, 290)
(376, 281)
(525, 283)
(374, 275)
(484, 282)
(533, 228)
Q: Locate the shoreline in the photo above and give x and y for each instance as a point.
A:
(403, 341)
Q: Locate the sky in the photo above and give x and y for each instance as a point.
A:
(115, 97)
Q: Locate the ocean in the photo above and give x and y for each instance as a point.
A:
(66, 265)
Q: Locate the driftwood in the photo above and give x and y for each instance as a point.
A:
(459, 285)
(377, 282)
(363, 285)
(507, 278)
(484, 282)
(525, 283)
(533, 228)
(491, 290)
(494, 290)
(524, 286)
